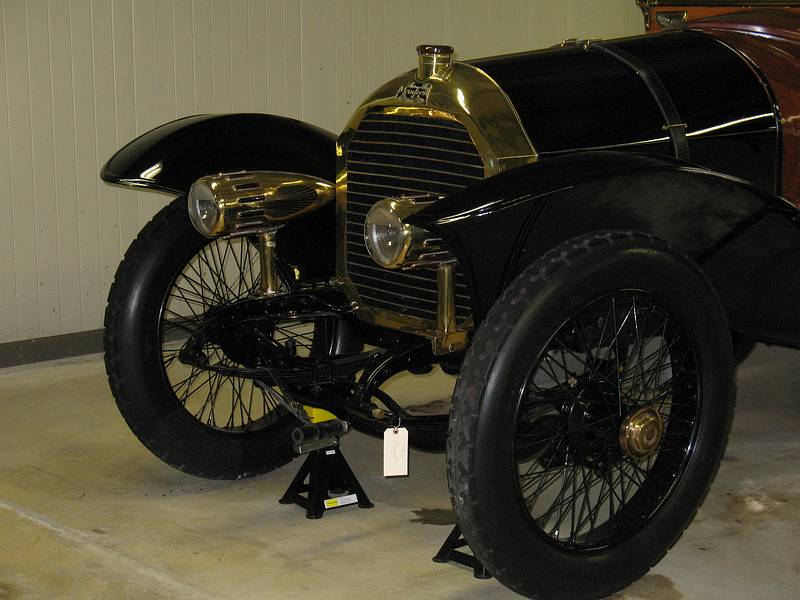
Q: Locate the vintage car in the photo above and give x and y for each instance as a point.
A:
(583, 233)
(661, 14)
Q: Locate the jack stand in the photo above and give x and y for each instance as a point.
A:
(327, 472)
(449, 552)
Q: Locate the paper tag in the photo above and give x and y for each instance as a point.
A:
(340, 501)
(395, 452)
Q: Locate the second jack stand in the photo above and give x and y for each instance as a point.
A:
(328, 473)
(449, 552)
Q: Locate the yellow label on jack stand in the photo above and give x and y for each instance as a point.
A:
(340, 501)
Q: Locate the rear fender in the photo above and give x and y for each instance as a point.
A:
(172, 156)
(500, 226)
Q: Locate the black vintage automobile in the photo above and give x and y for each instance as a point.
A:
(586, 234)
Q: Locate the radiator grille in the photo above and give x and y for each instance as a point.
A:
(394, 155)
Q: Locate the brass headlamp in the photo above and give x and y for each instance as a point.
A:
(394, 244)
(251, 201)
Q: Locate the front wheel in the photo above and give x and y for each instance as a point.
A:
(184, 400)
(591, 416)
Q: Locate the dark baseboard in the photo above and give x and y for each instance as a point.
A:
(51, 348)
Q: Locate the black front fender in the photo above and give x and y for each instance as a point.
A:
(172, 156)
(501, 225)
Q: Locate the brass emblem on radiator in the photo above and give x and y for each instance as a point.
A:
(415, 92)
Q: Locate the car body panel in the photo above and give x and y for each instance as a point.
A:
(172, 156)
(711, 86)
(542, 205)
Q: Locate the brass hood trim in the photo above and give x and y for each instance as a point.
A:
(463, 93)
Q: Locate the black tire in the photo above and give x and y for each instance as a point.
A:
(203, 423)
(509, 426)
(743, 347)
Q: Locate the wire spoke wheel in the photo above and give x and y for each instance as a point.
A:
(223, 272)
(591, 416)
(605, 421)
(180, 328)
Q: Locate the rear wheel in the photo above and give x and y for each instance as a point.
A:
(185, 401)
(591, 416)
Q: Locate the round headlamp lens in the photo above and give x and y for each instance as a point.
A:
(204, 210)
(385, 235)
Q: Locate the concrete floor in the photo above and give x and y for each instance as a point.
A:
(87, 512)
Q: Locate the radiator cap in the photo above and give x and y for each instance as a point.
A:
(433, 60)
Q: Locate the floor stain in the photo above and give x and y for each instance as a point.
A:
(650, 587)
(747, 507)
(434, 516)
(6, 591)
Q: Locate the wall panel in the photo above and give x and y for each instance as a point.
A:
(23, 202)
(41, 107)
(65, 200)
(79, 78)
(8, 278)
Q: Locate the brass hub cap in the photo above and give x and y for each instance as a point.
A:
(641, 431)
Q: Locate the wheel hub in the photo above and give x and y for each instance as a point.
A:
(242, 332)
(588, 421)
(641, 432)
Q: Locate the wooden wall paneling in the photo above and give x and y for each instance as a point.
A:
(343, 82)
(41, 105)
(144, 87)
(65, 178)
(463, 28)
(92, 296)
(106, 139)
(276, 65)
(122, 14)
(318, 67)
(362, 82)
(22, 172)
(183, 53)
(377, 41)
(8, 283)
(292, 59)
(428, 21)
(400, 54)
(507, 26)
(550, 24)
(163, 86)
(203, 52)
(240, 57)
(257, 74)
(620, 21)
(164, 64)
(221, 55)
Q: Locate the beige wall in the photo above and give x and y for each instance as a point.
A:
(79, 78)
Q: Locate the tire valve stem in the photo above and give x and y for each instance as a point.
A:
(572, 381)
